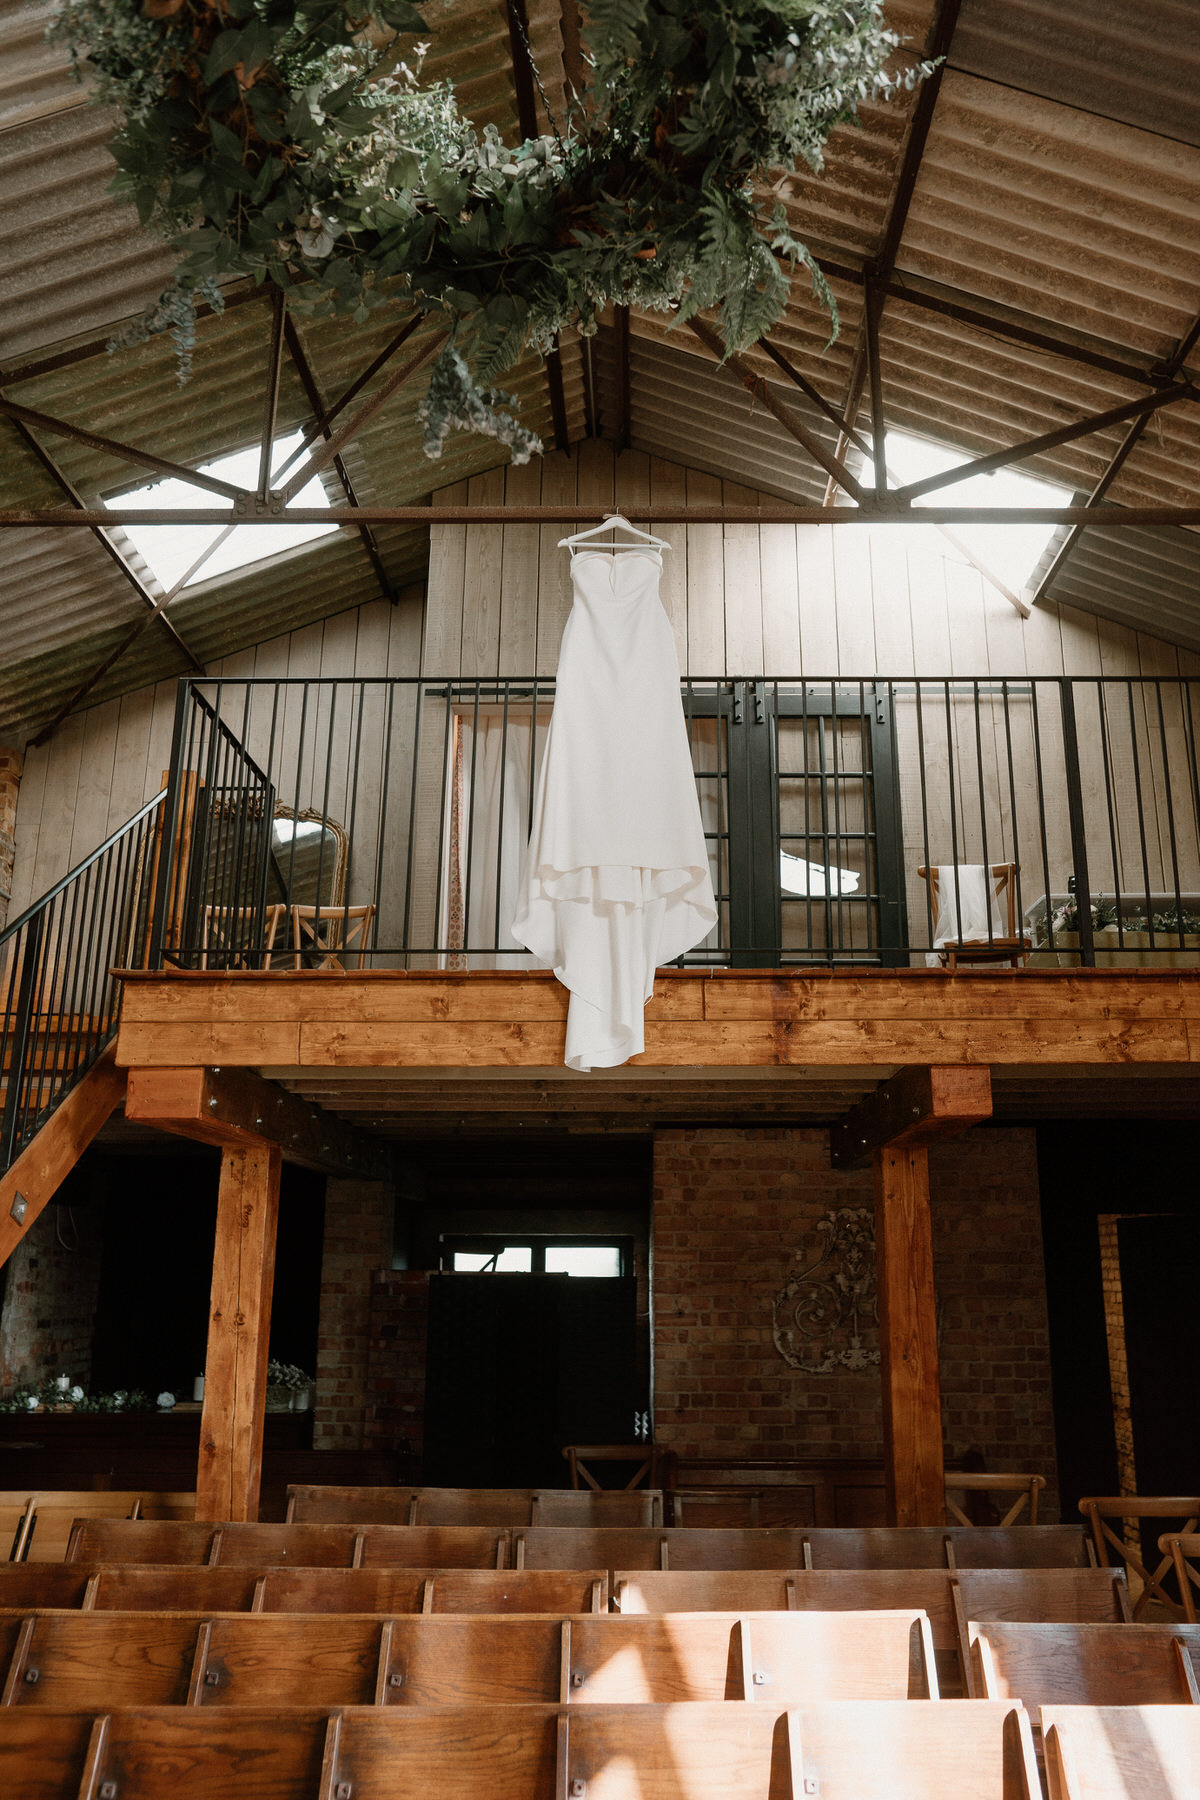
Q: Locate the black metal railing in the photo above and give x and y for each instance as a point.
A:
(58, 998)
(380, 822)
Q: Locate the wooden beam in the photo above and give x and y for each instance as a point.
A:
(271, 392)
(912, 1396)
(122, 452)
(911, 1110)
(237, 1109)
(34, 1179)
(1113, 518)
(235, 1372)
(833, 465)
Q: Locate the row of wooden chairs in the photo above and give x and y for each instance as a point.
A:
(106, 1660)
(329, 1505)
(38, 1523)
(721, 1504)
(731, 1750)
(562, 1547)
(949, 1600)
(1104, 1514)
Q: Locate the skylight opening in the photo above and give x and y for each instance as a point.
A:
(1010, 552)
(171, 550)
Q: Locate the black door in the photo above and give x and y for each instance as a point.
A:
(800, 798)
(519, 1365)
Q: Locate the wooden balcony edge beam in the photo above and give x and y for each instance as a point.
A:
(915, 1108)
(237, 1109)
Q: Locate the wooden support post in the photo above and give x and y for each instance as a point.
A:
(894, 1127)
(235, 1375)
(912, 1394)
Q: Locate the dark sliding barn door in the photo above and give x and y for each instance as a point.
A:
(519, 1365)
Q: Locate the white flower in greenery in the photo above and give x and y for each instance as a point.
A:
(77, 1392)
(32, 1402)
(166, 1398)
(119, 1396)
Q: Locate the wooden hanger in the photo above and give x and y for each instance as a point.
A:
(610, 524)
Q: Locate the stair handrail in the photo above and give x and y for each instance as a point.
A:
(56, 962)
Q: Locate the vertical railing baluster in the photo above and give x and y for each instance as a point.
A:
(1077, 823)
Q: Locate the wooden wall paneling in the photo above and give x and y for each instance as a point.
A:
(235, 1372)
(336, 716)
(1008, 635)
(631, 486)
(597, 477)
(1042, 633)
(742, 584)
(297, 737)
(1136, 829)
(1158, 661)
(57, 825)
(706, 582)
(927, 599)
(855, 614)
(519, 574)
(889, 600)
(481, 580)
(818, 601)
(365, 784)
(1080, 641)
(30, 802)
(130, 783)
(441, 652)
(982, 797)
(560, 481)
(779, 574)
(668, 488)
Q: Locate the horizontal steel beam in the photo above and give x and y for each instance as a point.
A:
(1112, 517)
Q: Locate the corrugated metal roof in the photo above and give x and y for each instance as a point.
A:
(1060, 183)
(1147, 580)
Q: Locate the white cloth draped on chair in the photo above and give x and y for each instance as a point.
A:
(968, 906)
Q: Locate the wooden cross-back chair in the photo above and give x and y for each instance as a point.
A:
(223, 935)
(646, 1460)
(1099, 1509)
(327, 937)
(1008, 945)
(1027, 1488)
(1183, 1548)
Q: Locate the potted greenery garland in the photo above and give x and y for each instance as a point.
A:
(292, 141)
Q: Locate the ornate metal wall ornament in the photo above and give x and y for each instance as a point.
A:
(827, 1316)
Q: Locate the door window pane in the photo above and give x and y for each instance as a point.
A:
(583, 1259)
(516, 1260)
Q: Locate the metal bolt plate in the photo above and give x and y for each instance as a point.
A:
(395, 1680)
(33, 1676)
(211, 1678)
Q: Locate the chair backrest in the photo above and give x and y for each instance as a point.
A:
(640, 1464)
(94, 1661)
(517, 1591)
(705, 1590)
(1027, 1488)
(878, 1547)
(260, 1659)
(1044, 1596)
(1120, 1752)
(929, 1590)
(1183, 1548)
(435, 1546)
(450, 1752)
(1019, 1547)
(329, 1505)
(141, 1541)
(332, 932)
(1083, 1665)
(775, 1658)
(582, 1506)
(173, 1587)
(42, 1757)
(209, 1751)
(25, 1586)
(562, 1547)
(54, 1512)
(1145, 1574)
(232, 932)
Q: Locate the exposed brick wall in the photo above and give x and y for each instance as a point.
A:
(732, 1208)
(399, 1328)
(357, 1243)
(11, 764)
(49, 1311)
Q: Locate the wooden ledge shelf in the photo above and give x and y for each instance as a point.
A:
(720, 1018)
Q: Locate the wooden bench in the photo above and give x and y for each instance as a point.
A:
(94, 1661)
(554, 1547)
(49, 1513)
(1145, 1583)
(1084, 1665)
(496, 1507)
(872, 1750)
(16, 1523)
(1121, 1752)
(949, 1546)
(296, 1545)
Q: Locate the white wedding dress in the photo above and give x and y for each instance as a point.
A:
(616, 878)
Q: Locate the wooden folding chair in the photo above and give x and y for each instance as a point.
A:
(227, 934)
(330, 934)
(1121, 1752)
(1083, 1665)
(1183, 1548)
(1027, 1489)
(646, 1460)
(1145, 1584)
(1009, 945)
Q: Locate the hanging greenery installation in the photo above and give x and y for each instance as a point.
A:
(294, 141)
